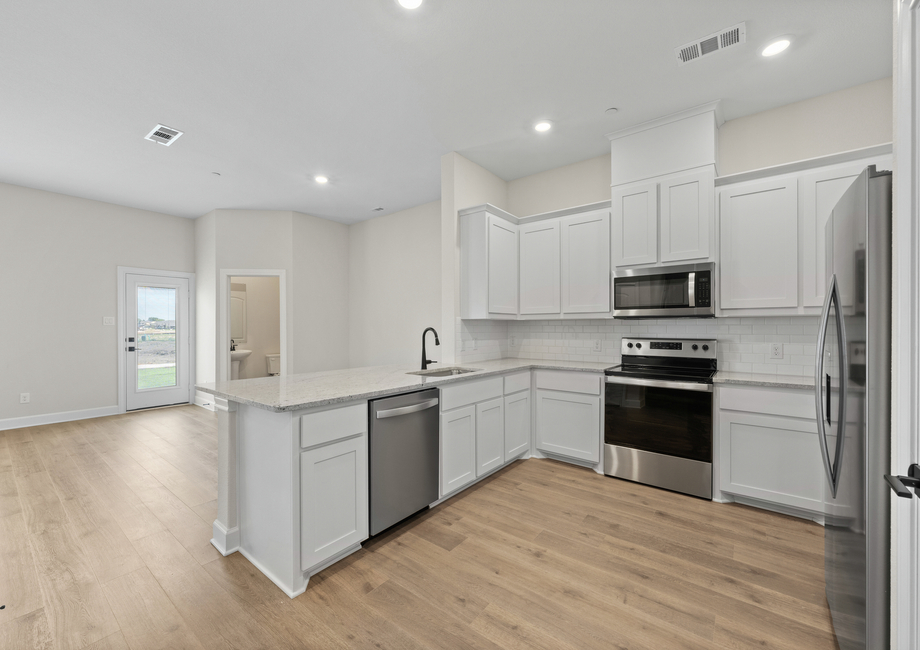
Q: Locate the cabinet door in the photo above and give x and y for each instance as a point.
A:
(458, 448)
(820, 192)
(333, 499)
(540, 251)
(569, 424)
(634, 224)
(503, 267)
(517, 424)
(490, 435)
(771, 458)
(586, 263)
(686, 215)
(759, 250)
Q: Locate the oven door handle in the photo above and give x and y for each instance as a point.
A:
(658, 383)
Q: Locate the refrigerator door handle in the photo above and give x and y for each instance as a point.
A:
(844, 390)
(820, 385)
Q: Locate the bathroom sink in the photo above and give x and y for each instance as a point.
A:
(239, 355)
(444, 372)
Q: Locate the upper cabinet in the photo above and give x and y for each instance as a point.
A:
(772, 233)
(554, 265)
(667, 220)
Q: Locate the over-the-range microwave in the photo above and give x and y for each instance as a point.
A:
(684, 291)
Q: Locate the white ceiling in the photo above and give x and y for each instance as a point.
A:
(371, 95)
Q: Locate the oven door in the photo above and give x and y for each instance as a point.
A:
(678, 291)
(659, 433)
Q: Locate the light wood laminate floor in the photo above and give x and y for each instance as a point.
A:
(104, 544)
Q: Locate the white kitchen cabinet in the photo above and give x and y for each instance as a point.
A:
(488, 264)
(768, 447)
(458, 448)
(759, 244)
(569, 414)
(686, 215)
(517, 424)
(490, 436)
(819, 192)
(634, 224)
(333, 500)
(540, 264)
(585, 263)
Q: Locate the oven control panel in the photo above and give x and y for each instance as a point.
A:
(697, 348)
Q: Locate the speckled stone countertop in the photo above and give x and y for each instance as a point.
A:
(314, 389)
(804, 382)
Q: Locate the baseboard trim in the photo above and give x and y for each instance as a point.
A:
(268, 574)
(224, 540)
(204, 400)
(782, 509)
(54, 418)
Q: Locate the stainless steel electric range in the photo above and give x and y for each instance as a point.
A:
(658, 414)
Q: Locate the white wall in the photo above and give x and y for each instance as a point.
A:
(463, 184)
(852, 118)
(58, 264)
(320, 294)
(394, 286)
(205, 299)
(263, 323)
(564, 187)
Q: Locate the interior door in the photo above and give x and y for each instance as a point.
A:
(157, 355)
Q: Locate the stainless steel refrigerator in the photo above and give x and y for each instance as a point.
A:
(853, 405)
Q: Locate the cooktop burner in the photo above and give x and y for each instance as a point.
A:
(667, 359)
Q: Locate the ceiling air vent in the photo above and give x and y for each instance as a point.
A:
(164, 135)
(712, 43)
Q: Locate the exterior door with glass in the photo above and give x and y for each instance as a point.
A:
(156, 341)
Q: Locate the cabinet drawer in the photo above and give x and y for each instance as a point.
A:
(518, 382)
(787, 403)
(334, 424)
(572, 382)
(470, 392)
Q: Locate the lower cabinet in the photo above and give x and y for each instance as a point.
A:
(768, 447)
(569, 422)
(517, 424)
(490, 436)
(333, 499)
(458, 448)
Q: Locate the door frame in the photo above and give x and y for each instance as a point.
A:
(123, 271)
(905, 417)
(222, 372)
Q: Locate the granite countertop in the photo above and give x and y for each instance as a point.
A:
(805, 382)
(314, 389)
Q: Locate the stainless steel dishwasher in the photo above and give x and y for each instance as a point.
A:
(403, 457)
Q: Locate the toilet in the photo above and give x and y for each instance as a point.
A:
(273, 364)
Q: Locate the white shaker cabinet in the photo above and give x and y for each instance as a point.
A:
(458, 448)
(634, 224)
(333, 502)
(569, 414)
(540, 267)
(488, 264)
(585, 263)
(517, 423)
(490, 436)
(686, 206)
(759, 249)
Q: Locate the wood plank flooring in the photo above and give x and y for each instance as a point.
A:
(104, 544)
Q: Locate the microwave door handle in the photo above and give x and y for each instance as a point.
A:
(691, 288)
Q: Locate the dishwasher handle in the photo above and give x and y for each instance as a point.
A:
(406, 410)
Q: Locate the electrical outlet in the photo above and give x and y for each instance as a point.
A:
(24, 398)
(108, 320)
(597, 345)
(513, 341)
(776, 350)
(475, 344)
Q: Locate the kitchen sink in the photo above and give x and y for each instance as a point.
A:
(444, 372)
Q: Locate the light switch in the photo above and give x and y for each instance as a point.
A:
(108, 320)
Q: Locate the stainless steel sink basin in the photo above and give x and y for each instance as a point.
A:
(443, 372)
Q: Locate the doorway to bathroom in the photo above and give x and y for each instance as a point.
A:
(156, 309)
(252, 334)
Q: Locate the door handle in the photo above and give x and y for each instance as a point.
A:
(131, 348)
(900, 484)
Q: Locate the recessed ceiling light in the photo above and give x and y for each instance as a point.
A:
(321, 179)
(410, 4)
(776, 47)
(542, 126)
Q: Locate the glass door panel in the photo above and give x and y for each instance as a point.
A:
(156, 337)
